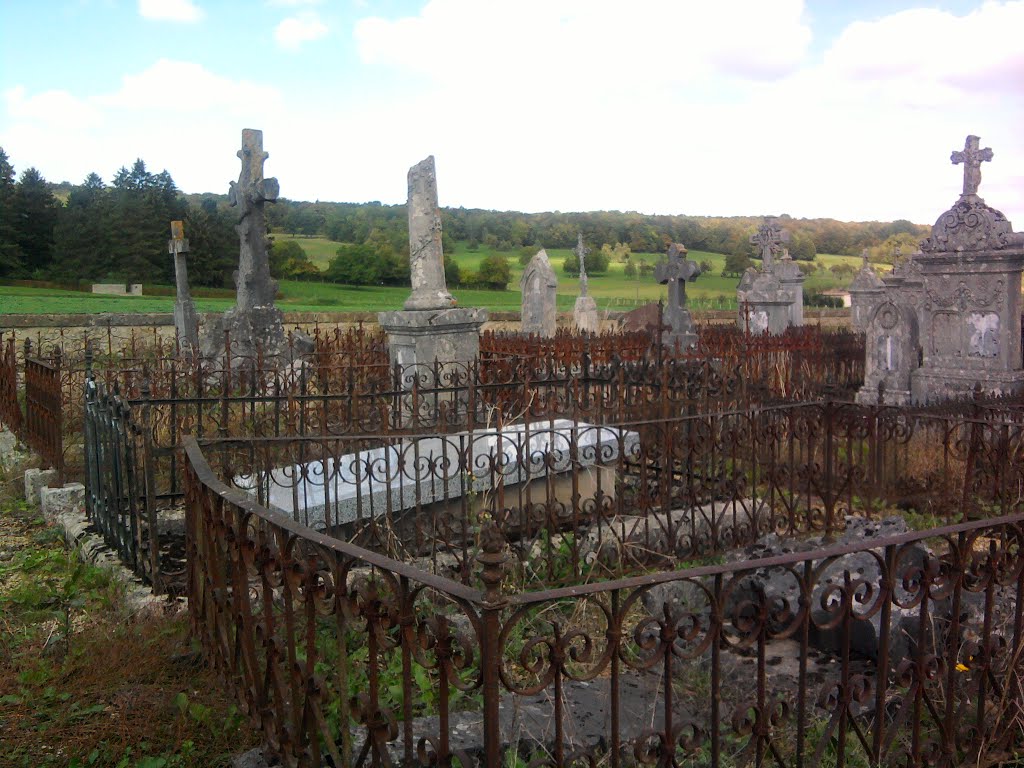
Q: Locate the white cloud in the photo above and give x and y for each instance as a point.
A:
(180, 87)
(170, 10)
(50, 107)
(175, 115)
(291, 33)
(592, 44)
(292, 3)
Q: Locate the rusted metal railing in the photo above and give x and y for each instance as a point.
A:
(121, 496)
(43, 426)
(346, 657)
(10, 409)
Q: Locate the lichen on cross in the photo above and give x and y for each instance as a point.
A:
(972, 157)
(767, 239)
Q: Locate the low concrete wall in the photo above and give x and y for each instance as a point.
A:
(118, 328)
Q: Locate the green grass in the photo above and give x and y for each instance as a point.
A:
(611, 291)
(319, 249)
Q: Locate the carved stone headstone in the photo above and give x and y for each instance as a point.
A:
(963, 291)
(584, 312)
(186, 319)
(891, 354)
(771, 298)
(539, 285)
(674, 272)
(430, 328)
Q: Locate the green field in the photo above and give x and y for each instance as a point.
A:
(611, 291)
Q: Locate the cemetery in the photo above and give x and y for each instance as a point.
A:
(653, 542)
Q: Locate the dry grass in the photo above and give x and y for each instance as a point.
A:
(83, 681)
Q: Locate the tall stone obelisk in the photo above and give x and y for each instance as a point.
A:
(430, 327)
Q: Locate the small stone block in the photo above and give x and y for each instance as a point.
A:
(59, 501)
(36, 480)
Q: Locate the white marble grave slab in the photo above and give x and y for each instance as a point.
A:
(429, 469)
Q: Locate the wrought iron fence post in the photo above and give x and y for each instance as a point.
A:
(149, 481)
(492, 562)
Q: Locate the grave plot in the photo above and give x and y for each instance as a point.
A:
(790, 618)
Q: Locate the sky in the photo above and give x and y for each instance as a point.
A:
(813, 108)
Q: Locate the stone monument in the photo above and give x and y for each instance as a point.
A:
(430, 327)
(675, 272)
(539, 285)
(186, 320)
(771, 298)
(254, 323)
(961, 294)
(584, 312)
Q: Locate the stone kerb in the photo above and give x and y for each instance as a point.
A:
(395, 478)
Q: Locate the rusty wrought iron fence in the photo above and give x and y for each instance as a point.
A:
(121, 496)
(586, 500)
(10, 409)
(346, 657)
(43, 425)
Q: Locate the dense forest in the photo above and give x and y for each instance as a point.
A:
(119, 230)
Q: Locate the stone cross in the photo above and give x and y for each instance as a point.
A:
(255, 286)
(972, 158)
(426, 259)
(863, 258)
(177, 246)
(767, 239)
(581, 252)
(675, 272)
(186, 321)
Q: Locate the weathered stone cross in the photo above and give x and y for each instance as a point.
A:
(581, 252)
(675, 272)
(972, 158)
(177, 246)
(767, 239)
(186, 321)
(254, 283)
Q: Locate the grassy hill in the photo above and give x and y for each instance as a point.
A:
(613, 290)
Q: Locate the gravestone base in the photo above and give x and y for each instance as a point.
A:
(584, 315)
(934, 384)
(868, 395)
(252, 333)
(186, 325)
(421, 336)
(682, 338)
(771, 317)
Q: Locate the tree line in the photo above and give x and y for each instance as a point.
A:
(643, 233)
(119, 230)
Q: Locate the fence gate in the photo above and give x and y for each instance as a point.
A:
(117, 497)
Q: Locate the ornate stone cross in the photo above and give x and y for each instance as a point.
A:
(972, 158)
(675, 272)
(254, 283)
(581, 252)
(767, 239)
